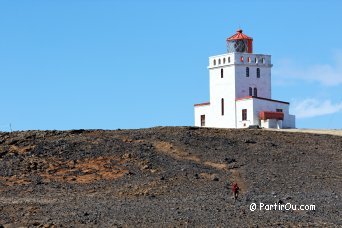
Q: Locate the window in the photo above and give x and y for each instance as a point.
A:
(202, 120)
(224, 60)
(255, 60)
(228, 59)
(250, 91)
(214, 62)
(221, 73)
(247, 71)
(279, 110)
(219, 61)
(258, 72)
(222, 106)
(255, 92)
(244, 114)
(249, 59)
(263, 60)
(241, 59)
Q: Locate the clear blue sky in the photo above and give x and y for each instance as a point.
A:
(133, 64)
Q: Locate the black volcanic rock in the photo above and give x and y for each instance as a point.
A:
(168, 176)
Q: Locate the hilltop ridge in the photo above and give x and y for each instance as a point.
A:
(175, 176)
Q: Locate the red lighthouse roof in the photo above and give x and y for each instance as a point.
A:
(239, 36)
(240, 42)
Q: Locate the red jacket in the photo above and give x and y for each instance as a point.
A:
(235, 187)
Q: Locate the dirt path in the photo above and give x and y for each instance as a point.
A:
(337, 132)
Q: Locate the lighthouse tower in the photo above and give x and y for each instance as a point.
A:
(240, 90)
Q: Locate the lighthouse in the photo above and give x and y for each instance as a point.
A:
(240, 90)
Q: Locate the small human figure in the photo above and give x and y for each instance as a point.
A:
(235, 189)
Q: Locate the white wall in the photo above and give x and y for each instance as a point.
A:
(222, 88)
(272, 124)
(202, 110)
(263, 84)
(290, 122)
(259, 105)
(244, 104)
(242, 83)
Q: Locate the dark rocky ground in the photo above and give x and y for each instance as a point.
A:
(168, 176)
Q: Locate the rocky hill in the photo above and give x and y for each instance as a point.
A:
(169, 176)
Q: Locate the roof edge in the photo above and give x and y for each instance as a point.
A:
(202, 104)
(260, 98)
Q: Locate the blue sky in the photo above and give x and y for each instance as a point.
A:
(133, 64)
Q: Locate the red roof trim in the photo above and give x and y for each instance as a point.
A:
(202, 104)
(261, 98)
(266, 115)
(239, 36)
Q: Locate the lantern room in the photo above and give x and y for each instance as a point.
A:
(239, 42)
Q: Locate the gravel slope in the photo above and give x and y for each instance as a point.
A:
(170, 176)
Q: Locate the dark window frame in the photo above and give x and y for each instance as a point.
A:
(244, 114)
(202, 120)
(222, 107)
(247, 71)
(255, 92)
(258, 72)
(221, 73)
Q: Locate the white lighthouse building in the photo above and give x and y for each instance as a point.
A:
(240, 90)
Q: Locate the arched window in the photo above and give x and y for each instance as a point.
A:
(214, 62)
(228, 59)
(219, 61)
(222, 106)
(263, 60)
(258, 72)
(241, 59)
(250, 91)
(221, 73)
(247, 71)
(255, 92)
(224, 60)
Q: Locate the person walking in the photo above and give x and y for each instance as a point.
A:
(235, 189)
